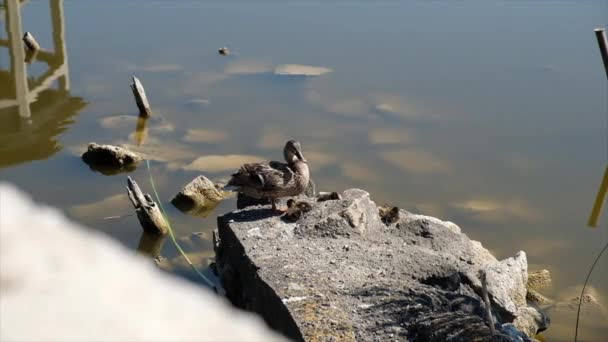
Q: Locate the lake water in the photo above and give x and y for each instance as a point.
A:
(490, 114)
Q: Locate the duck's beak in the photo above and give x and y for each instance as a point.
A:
(300, 156)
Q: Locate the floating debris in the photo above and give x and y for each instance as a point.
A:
(224, 51)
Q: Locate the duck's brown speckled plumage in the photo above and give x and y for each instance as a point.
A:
(274, 179)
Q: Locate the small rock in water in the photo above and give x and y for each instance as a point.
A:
(589, 304)
(539, 279)
(224, 51)
(109, 159)
(198, 197)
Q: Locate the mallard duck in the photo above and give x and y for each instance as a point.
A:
(273, 180)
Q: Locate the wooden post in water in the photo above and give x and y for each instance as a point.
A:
(140, 98)
(600, 34)
(148, 212)
(30, 42)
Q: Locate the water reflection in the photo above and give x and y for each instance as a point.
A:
(33, 112)
(141, 131)
(150, 245)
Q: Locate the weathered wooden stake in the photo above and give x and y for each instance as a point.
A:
(140, 98)
(30, 42)
(148, 212)
(486, 299)
(600, 34)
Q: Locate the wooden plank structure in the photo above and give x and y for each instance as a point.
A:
(34, 109)
(56, 59)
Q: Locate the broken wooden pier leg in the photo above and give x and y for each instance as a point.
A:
(148, 212)
(140, 98)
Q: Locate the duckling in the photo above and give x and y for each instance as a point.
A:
(388, 215)
(293, 212)
(304, 206)
(328, 196)
(273, 180)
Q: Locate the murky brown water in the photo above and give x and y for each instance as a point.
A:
(488, 114)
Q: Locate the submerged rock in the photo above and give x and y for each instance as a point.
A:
(109, 159)
(536, 298)
(340, 273)
(589, 305)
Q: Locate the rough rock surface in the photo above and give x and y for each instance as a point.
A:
(109, 159)
(198, 197)
(339, 273)
(507, 281)
(62, 282)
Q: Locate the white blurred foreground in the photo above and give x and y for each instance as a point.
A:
(60, 282)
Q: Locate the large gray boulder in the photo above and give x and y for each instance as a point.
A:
(340, 273)
(61, 282)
